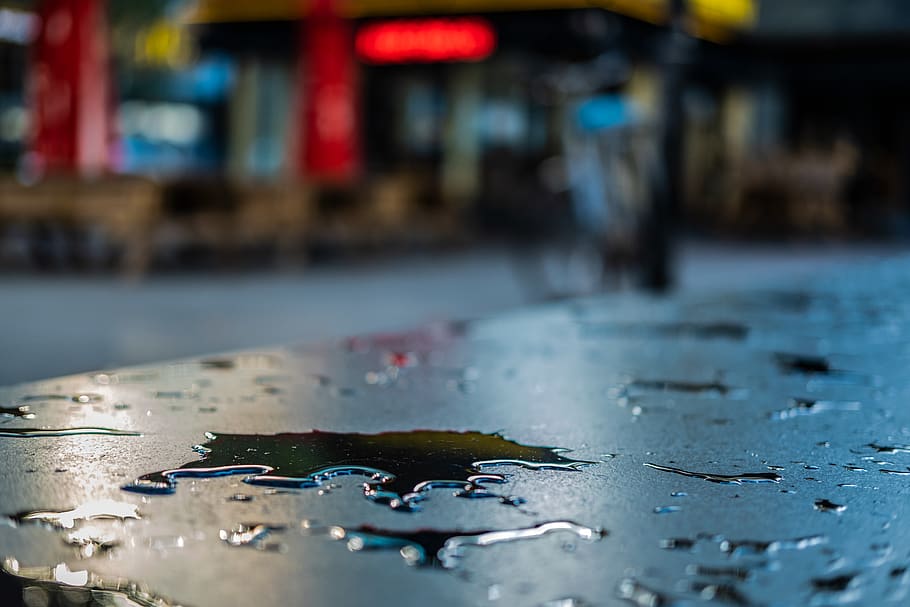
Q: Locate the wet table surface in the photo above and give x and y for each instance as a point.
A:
(742, 449)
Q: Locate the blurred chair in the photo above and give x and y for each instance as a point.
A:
(801, 191)
(124, 208)
(231, 219)
(274, 213)
(127, 209)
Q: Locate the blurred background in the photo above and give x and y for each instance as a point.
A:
(180, 177)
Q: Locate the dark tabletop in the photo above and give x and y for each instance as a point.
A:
(742, 449)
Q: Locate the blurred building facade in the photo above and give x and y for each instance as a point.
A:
(337, 123)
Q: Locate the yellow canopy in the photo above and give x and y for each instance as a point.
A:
(713, 19)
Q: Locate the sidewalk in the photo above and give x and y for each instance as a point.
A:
(60, 325)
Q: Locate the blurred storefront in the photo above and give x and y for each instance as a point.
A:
(355, 123)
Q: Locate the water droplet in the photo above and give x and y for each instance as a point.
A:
(635, 592)
(221, 364)
(678, 543)
(803, 406)
(400, 466)
(435, 548)
(166, 542)
(91, 541)
(253, 535)
(494, 592)
(753, 547)
(890, 449)
(569, 601)
(188, 393)
(838, 583)
(802, 363)
(376, 378)
(737, 573)
(39, 433)
(729, 479)
(725, 594)
(824, 505)
(21, 411)
(666, 509)
(882, 470)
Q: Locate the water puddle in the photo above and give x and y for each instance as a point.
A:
(23, 411)
(818, 367)
(800, 407)
(400, 466)
(43, 433)
(823, 505)
(67, 519)
(713, 389)
(890, 449)
(59, 585)
(740, 548)
(91, 541)
(435, 548)
(695, 330)
(726, 479)
(82, 398)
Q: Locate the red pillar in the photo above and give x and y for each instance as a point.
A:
(68, 86)
(328, 93)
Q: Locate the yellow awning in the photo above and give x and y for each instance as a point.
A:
(709, 18)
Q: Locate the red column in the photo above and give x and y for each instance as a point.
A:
(328, 92)
(68, 86)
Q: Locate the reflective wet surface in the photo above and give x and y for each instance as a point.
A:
(741, 449)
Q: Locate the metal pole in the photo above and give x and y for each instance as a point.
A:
(662, 219)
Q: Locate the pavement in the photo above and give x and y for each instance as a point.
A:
(56, 325)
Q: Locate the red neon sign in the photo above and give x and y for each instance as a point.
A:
(426, 40)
